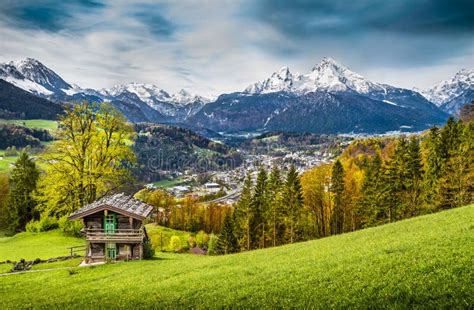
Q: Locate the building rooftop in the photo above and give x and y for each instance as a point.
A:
(119, 203)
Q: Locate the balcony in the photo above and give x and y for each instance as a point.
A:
(116, 236)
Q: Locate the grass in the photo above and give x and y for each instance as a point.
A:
(6, 162)
(169, 183)
(32, 123)
(160, 236)
(36, 245)
(425, 262)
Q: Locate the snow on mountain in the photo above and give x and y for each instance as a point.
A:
(278, 81)
(11, 74)
(328, 75)
(449, 89)
(35, 71)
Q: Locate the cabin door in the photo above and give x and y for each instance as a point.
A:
(109, 224)
(111, 251)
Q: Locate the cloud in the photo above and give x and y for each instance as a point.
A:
(217, 46)
(46, 15)
(327, 17)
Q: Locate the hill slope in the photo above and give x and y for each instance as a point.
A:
(18, 103)
(421, 262)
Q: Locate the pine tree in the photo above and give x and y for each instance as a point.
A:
(432, 167)
(456, 185)
(273, 216)
(243, 213)
(414, 178)
(259, 209)
(337, 189)
(292, 199)
(369, 209)
(395, 174)
(23, 181)
(227, 242)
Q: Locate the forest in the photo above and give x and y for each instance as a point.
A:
(374, 181)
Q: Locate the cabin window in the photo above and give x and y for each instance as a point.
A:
(110, 223)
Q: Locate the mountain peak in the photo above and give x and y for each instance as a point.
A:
(446, 90)
(327, 75)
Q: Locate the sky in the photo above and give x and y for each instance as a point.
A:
(212, 47)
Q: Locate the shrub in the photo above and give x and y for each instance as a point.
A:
(202, 239)
(175, 244)
(212, 245)
(44, 224)
(70, 228)
(191, 241)
(148, 250)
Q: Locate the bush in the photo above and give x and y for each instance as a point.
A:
(44, 224)
(148, 250)
(212, 245)
(191, 241)
(70, 228)
(175, 244)
(202, 239)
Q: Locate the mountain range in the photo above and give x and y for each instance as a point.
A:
(329, 99)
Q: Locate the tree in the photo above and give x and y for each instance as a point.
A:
(243, 213)
(227, 243)
(369, 207)
(337, 189)
(22, 205)
(394, 177)
(466, 114)
(4, 197)
(90, 159)
(274, 193)
(258, 209)
(292, 199)
(414, 178)
(315, 184)
(456, 185)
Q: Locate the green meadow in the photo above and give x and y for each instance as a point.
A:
(423, 262)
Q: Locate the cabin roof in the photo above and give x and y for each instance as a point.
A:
(119, 203)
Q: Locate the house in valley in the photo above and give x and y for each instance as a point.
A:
(114, 228)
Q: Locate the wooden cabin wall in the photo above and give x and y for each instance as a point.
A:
(95, 220)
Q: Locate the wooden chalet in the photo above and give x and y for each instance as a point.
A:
(114, 228)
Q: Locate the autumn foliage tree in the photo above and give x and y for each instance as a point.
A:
(91, 158)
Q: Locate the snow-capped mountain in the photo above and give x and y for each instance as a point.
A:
(452, 93)
(328, 76)
(31, 75)
(179, 105)
(329, 99)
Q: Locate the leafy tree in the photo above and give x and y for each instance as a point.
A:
(4, 197)
(293, 200)
(23, 181)
(337, 189)
(90, 159)
(315, 184)
(212, 245)
(227, 243)
(175, 244)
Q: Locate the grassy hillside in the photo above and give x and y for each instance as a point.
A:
(422, 262)
(160, 236)
(32, 123)
(36, 245)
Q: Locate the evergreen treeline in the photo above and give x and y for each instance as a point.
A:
(375, 181)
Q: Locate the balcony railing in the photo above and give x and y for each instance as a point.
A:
(117, 235)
